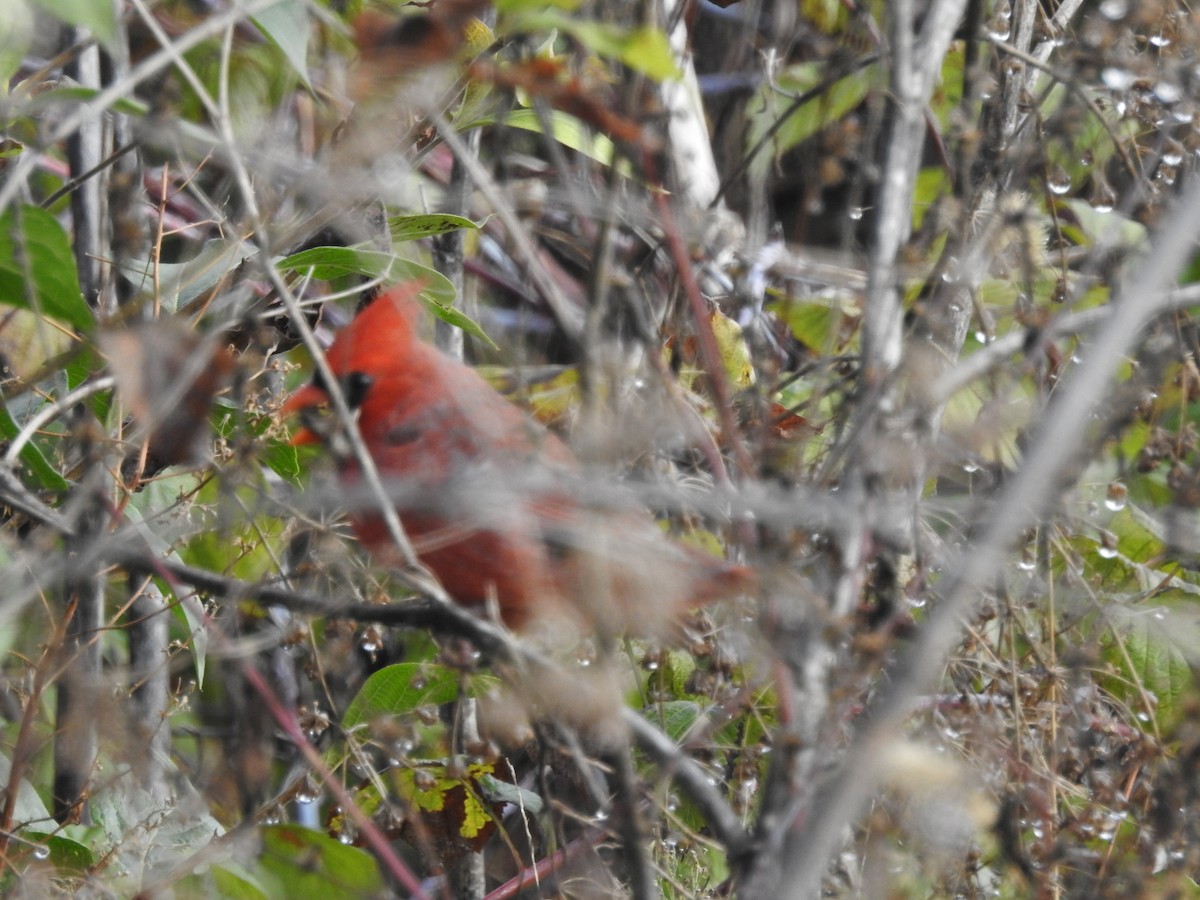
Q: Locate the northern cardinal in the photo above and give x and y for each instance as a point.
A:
(483, 491)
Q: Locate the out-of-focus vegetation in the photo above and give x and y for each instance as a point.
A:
(890, 302)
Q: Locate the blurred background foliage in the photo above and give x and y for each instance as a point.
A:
(255, 167)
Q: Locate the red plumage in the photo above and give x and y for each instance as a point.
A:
(482, 491)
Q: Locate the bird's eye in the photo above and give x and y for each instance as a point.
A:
(355, 386)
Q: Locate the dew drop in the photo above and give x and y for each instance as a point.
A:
(1167, 92)
(1102, 199)
(1116, 78)
(370, 641)
(1059, 182)
(308, 792)
(1062, 291)
(999, 28)
(1116, 497)
(41, 851)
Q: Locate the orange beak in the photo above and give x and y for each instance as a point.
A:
(308, 397)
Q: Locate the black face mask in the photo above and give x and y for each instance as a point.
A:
(355, 386)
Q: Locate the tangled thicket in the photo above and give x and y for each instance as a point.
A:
(889, 301)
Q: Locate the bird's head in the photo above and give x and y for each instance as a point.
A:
(372, 345)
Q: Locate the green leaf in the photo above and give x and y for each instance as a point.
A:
(399, 689)
(328, 263)
(438, 295)
(47, 476)
(65, 854)
(180, 283)
(308, 863)
(802, 122)
(509, 7)
(29, 806)
(96, 16)
(15, 39)
(675, 717)
(1110, 229)
(568, 131)
(37, 267)
(452, 316)
(677, 669)
(817, 322)
(412, 228)
(496, 791)
(475, 816)
(644, 50)
(1147, 650)
(932, 183)
(648, 51)
(229, 882)
(733, 350)
(286, 25)
(284, 460)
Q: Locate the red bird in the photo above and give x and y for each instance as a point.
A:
(483, 491)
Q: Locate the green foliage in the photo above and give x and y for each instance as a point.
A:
(437, 293)
(644, 50)
(286, 23)
(37, 268)
(98, 18)
(1070, 698)
(426, 788)
(1151, 674)
(401, 690)
(412, 228)
(178, 284)
(47, 476)
(778, 116)
(566, 129)
(300, 862)
(14, 42)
